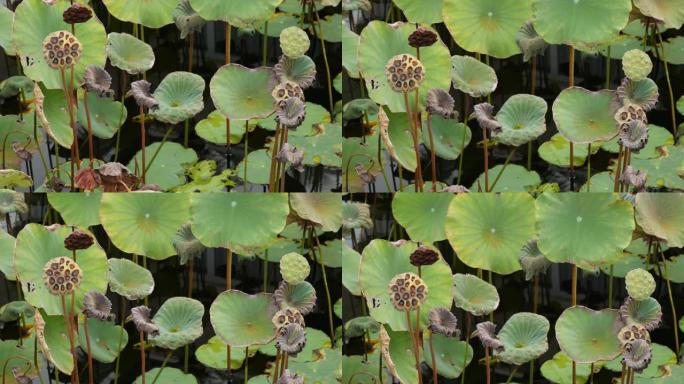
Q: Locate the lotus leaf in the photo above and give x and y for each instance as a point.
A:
(179, 96)
(151, 14)
(662, 215)
(129, 54)
(243, 320)
(588, 336)
(242, 93)
(167, 168)
(180, 322)
(323, 209)
(451, 357)
(474, 295)
(79, 209)
(583, 116)
(422, 215)
(515, 178)
(472, 77)
(213, 354)
(167, 375)
(105, 345)
(449, 136)
(522, 119)
(524, 338)
(236, 13)
(129, 280)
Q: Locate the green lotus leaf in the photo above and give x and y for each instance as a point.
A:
(618, 44)
(12, 178)
(524, 338)
(577, 22)
(380, 262)
(330, 27)
(315, 341)
(399, 134)
(515, 178)
(643, 93)
(470, 76)
(277, 22)
(671, 12)
(588, 336)
(451, 357)
(673, 50)
(351, 263)
(323, 209)
(12, 129)
(401, 351)
(6, 251)
(324, 148)
(657, 137)
(364, 151)
(180, 322)
(300, 297)
(644, 312)
(213, 354)
(624, 265)
(129, 280)
(583, 116)
(350, 46)
(213, 129)
(487, 26)
(80, 209)
(144, 223)
(35, 246)
(379, 43)
(236, 220)
(13, 355)
(337, 308)
(55, 107)
(599, 182)
(151, 14)
(167, 169)
(487, 230)
(242, 93)
(661, 356)
(522, 118)
(328, 367)
(6, 25)
(57, 342)
(558, 370)
(14, 310)
(167, 375)
(450, 137)
(474, 295)
(330, 254)
(664, 171)
(258, 167)
(422, 215)
(278, 248)
(129, 54)
(557, 151)
(675, 269)
(359, 326)
(583, 227)
(662, 215)
(356, 215)
(34, 20)
(293, 231)
(107, 340)
(419, 12)
(315, 114)
(14, 85)
(236, 13)
(243, 320)
(295, 6)
(358, 108)
(106, 115)
(179, 96)
(356, 369)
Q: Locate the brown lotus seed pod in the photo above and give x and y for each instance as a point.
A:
(632, 332)
(629, 113)
(287, 316)
(407, 291)
(78, 240)
(287, 89)
(423, 256)
(422, 37)
(404, 73)
(77, 13)
(61, 49)
(62, 275)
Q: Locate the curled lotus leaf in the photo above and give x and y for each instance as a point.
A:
(474, 294)
(522, 118)
(129, 280)
(180, 97)
(473, 77)
(180, 322)
(128, 53)
(324, 209)
(524, 338)
(670, 12)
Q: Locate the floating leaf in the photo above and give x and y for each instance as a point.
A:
(243, 320)
(213, 354)
(515, 178)
(180, 97)
(558, 370)
(242, 93)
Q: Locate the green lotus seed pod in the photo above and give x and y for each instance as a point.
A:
(294, 268)
(640, 284)
(636, 64)
(294, 42)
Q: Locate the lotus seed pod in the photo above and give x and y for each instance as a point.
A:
(77, 13)
(637, 355)
(404, 73)
(632, 332)
(636, 64)
(407, 291)
(294, 268)
(640, 284)
(423, 256)
(287, 316)
(286, 90)
(78, 240)
(422, 37)
(294, 42)
(62, 275)
(61, 49)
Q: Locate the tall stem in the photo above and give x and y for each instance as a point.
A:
(433, 158)
(669, 83)
(142, 356)
(488, 375)
(166, 360)
(70, 332)
(325, 282)
(466, 103)
(246, 154)
(325, 60)
(573, 300)
(142, 141)
(414, 345)
(416, 149)
(229, 284)
(90, 128)
(90, 355)
(571, 83)
(486, 158)
(229, 154)
(434, 362)
(274, 152)
(469, 321)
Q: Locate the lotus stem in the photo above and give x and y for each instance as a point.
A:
(434, 362)
(469, 320)
(265, 261)
(618, 170)
(610, 287)
(414, 346)
(70, 332)
(72, 124)
(281, 178)
(90, 128)
(382, 167)
(161, 145)
(246, 154)
(121, 112)
(466, 102)
(118, 356)
(166, 360)
(264, 53)
(325, 281)
(229, 154)
(229, 284)
(414, 136)
(325, 59)
(246, 364)
(433, 158)
(46, 170)
(573, 300)
(274, 152)
(186, 352)
(622, 375)
(663, 58)
(571, 83)
(90, 355)
(4, 366)
(498, 176)
(142, 356)
(275, 367)
(515, 369)
(672, 304)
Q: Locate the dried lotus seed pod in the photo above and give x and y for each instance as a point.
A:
(288, 316)
(286, 90)
(404, 73)
(407, 291)
(61, 49)
(62, 275)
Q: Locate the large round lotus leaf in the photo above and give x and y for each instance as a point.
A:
(473, 77)
(242, 93)
(663, 171)
(522, 118)
(35, 246)
(80, 209)
(180, 322)
(356, 369)
(129, 54)
(524, 338)
(451, 356)
(662, 215)
(421, 12)
(6, 251)
(599, 182)
(657, 137)
(557, 151)
(401, 351)
(350, 46)
(661, 356)
(515, 178)
(450, 137)
(315, 340)
(13, 129)
(106, 339)
(213, 354)
(238, 220)
(474, 295)
(380, 262)
(129, 280)
(6, 24)
(673, 50)
(167, 375)
(243, 320)
(144, 223)
(151, 14)
(58, 344)
(583, 116)
(351, 263)
(487, 26)
(213, 129)
(379, 43)
(330, 254)
(583, 227)
(236, 12)
(34, 20)
(328, 367)
(168, 168)
(258, 167)
(488, 230)
(277, 22)
(295, 6)
(55, 108)
(422, 215)
(558, 370)
(671, 12)
(399, 134)
(587, 336)
(580, 21)
(315, 114)
(324, 209)
(106, 115)
(179, 96)
(13, 355)
(324, 148)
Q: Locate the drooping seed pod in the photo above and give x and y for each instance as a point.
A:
(422, 37)
(291, 339)
(423, 256)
